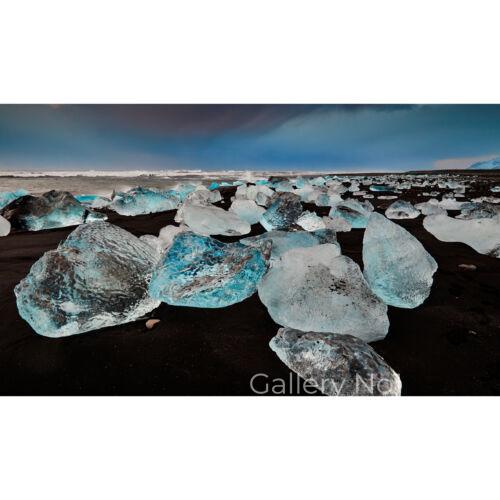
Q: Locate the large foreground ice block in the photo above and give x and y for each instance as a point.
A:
(483, 235)
(337, 365)
(209, 220)
(50, 210)
(141, 200)
(198, 271)
(97, 277)
(282, 213)
(282, 241)
(316, 289)
(396, 266)
(353, 211)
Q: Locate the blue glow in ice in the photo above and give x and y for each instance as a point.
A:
(143, 200)
(8, 196)
(199, 271)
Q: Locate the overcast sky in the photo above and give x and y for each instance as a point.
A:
(285, 137)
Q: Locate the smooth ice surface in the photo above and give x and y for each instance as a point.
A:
(208, 220)
(4, 226)
(337, 365)
(50, 210)
(199, 271)
(353, 211)
(143, 200)
(483, 235)
(316, 289)
(282, 213)
(97, 277)
(247, 210)
(282, 241)
(7, 197)
(401, 209)
(397, 267)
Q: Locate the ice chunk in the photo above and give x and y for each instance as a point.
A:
(154, 242)
(4, 226)
(143, 200)
(430, 207)
(337, 365)
(168, 233)
(198, 271)
(93, 200)
(310, 221)
(483, 235)
(396, 266)
(282, 213)
(450, 203)
(338, 224)
(247, 210)
(353, 211)
(208, 220)
(481, 210)
(97, 277)
(316, 289)
(282, 241)
(50, 210)
(7, 197)
(401, 210)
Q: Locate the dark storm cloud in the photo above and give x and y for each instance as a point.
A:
(359, 136)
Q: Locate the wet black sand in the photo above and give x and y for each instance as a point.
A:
(450, 345)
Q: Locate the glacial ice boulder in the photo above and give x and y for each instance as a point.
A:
(210, 220)
(316, 289)
(282, 241)
(309, 221)
(430, 207)
(7, 197)
(353, 211)
(337, 365)
(50, 210)
(482, 210)
(141, 200)
(338, 224)
(247, 210)
(282, 213)
(401, 209)
(4, 226)
(483, 235)
(97, 277)
(199, 271)
(397, 267)
(93, 200)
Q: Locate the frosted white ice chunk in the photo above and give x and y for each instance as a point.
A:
(247, 210)
(317, 289)
(4, 226)
(401, 210)
(483, 235)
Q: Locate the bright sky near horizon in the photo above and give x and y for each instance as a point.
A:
(254, 137)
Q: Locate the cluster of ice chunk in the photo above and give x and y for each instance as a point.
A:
(143, 200)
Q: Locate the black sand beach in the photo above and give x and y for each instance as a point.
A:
(450, 345)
